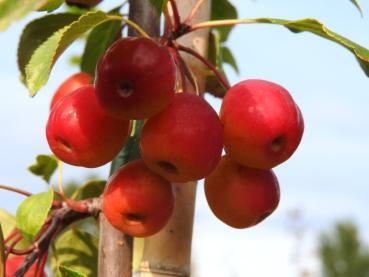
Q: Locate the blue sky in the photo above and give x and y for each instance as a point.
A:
(326, 179)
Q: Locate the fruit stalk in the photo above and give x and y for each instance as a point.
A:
(168, 253)
(115, 249)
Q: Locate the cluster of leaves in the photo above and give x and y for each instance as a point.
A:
(41, 44)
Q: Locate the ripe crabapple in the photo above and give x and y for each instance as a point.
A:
(241, 196)
(69, 85)
(137, 201)
(135, 78)
(79, 132)
(262, 124)
(14, 262)
(184, 142)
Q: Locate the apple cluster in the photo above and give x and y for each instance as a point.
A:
(182, 139)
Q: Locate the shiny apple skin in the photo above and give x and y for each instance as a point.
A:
(241, 196)
(74, 82)
(135, 78)
(80, 133)
(137, 201)
(263, 126)
(184, 142)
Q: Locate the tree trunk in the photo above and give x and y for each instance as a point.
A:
(115, 248)
(168, 253)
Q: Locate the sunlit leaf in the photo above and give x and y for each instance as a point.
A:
(7, 222)
(32, 213)
(68, 272)
(13, 10)
(317, 28)
(44, 58)
(37, 32)
(51, 5)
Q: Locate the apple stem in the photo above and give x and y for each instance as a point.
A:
(193, 11)
(10, 248)
(179, 64)
(189, 74)
(13, 189)
(216, 72)
(130, 23)
(220, 23)
(177, 19)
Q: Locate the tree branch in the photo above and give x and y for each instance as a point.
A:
(58, 219)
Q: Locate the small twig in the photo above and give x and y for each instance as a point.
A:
(10, 248)
(189, 75)
(177, 18)
(220, 23)
(41, 265)
(179, 64)
(131, 24)
(60, 219)
(17, 190)
(77, 206)
(220, 77)
(12, 234)
(193, 11)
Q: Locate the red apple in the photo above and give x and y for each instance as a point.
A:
(79, 132)
(241, 196)
(14, 262)
(184, 142)
(262, 124)
(69, 85)
(137, 201)
(135, 78)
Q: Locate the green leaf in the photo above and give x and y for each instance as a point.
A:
(98, 41)
(7, 222)
(76, 250)
(68, 272)
(93, 188)
(45, 166)
(223, 9)
(13, 10)
(315, 27)
(32, 213)
(229, 58)
(43, 59)
(37, 32)
(51, 5)
(159, 5)
(356, 3)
